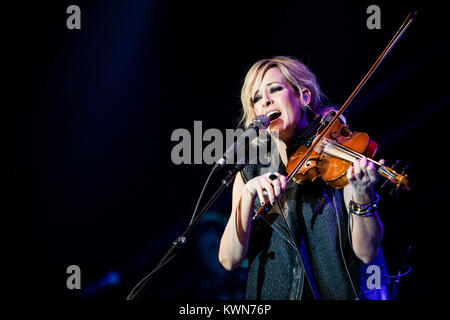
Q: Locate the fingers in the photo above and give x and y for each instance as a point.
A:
(283, 181)
(363, 170)
(273, 187)
(350, 175)
(267, 186)
(278, 183)
(358, 169)
(369, 169)
(276, 188)
(372, 171)
(260, 192)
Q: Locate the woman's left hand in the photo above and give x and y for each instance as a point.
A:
(363, 176)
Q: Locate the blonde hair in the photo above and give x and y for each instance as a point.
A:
(296, 74)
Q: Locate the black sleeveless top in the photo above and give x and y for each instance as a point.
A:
(316, 213)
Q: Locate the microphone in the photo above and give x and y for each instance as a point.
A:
(260, 122)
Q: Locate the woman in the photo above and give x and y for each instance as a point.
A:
(301, 248)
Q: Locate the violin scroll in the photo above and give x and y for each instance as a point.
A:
(399, 180)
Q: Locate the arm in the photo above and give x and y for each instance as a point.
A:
(234, 242)
(367, 232)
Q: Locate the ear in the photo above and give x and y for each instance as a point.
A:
(305, 97)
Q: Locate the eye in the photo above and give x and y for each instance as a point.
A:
(256, 99)
(275, 89)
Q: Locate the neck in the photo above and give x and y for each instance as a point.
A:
(301, 125)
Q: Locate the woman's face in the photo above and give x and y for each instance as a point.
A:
(275, 96)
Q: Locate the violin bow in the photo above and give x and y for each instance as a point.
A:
(405, 25)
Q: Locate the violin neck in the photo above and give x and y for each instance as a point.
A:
(339, 151)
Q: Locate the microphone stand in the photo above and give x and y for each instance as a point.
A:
(181, 240)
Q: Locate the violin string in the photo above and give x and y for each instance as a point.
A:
(356, 155)
(359, 156)
(353, 155)
(411, 16)
(349, 151)
(409, 19)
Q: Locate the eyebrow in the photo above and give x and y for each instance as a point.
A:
(266, 86)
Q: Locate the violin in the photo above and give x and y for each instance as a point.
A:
(335, 147)
(335, 153)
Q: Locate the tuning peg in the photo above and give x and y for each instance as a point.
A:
(385, 183)
(395, 164)
(394, 192)
(404, 170)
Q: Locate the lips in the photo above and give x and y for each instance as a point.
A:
(273, 115)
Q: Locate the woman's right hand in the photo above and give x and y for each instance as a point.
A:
(274, 188)
(234, 243)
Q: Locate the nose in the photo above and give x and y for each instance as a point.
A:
(267, 100)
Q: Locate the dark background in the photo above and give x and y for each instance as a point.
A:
(90, 115)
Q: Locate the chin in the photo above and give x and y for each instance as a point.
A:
(280, 133)
(280, 127)
(275, 129)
